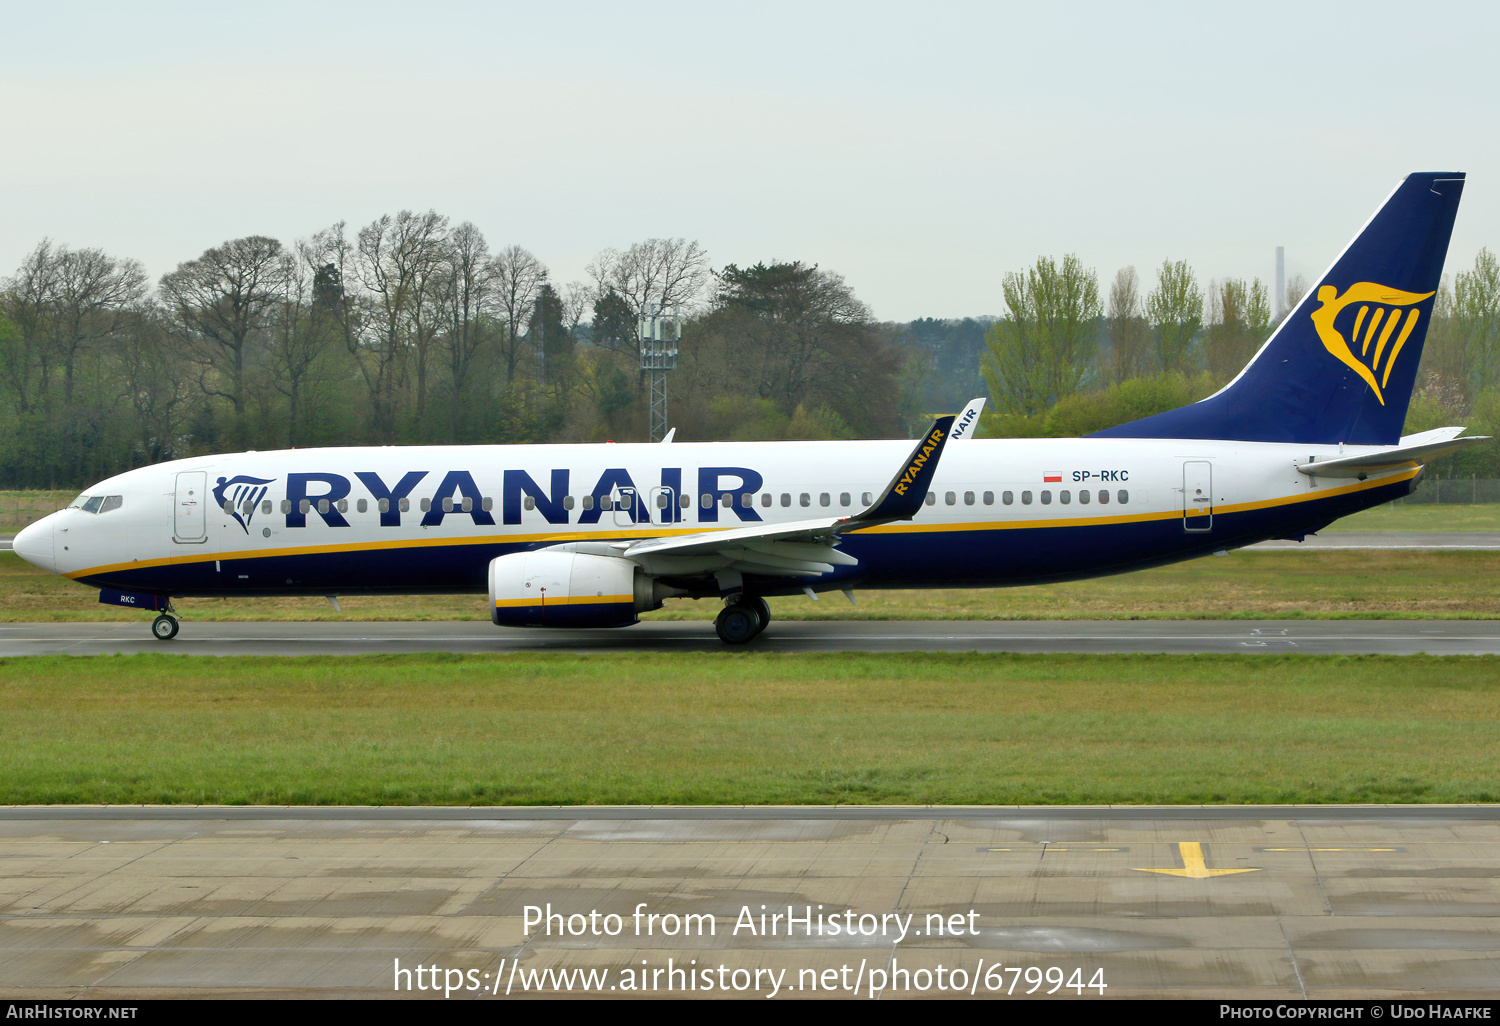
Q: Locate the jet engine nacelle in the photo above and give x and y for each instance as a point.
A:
(569, 589)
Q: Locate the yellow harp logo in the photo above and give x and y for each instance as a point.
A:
(1377, 303)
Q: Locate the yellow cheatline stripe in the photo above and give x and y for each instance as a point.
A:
(570, 536)
(1239, 507)
(577, 600)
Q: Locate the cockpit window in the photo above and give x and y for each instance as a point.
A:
(112, 502)
(93, 503)
(78, 502)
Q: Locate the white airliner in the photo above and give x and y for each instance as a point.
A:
(592, 535)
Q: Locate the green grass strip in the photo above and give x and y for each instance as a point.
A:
(749, 728)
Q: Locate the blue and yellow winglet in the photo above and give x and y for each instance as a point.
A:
(903, 497)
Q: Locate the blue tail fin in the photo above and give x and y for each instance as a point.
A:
(1342, 365)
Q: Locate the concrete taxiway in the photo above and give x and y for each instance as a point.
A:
(1319, 637)
(1242, 902)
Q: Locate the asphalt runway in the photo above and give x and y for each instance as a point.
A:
(1317, 637)
(1267, 903)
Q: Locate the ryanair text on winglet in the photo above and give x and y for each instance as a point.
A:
(918, 463)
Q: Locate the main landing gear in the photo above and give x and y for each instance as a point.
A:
(742, 618)
(164, 627)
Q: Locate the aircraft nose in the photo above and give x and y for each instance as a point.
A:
(34, 544)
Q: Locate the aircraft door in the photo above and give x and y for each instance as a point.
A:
(1197, 496)
(625, 500)
(662, 509)
(189, 519)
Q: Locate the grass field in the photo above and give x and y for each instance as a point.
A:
(750, 729)
(1241, 585)
(1422, 518)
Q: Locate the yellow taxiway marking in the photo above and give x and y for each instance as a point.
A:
(1193, 866)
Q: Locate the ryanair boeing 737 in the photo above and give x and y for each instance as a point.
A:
(592, 535)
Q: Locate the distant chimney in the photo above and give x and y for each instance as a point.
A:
(1280, 282)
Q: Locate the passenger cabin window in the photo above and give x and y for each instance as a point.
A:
(968, 498)
(1123, 496)
(865, 498)
(406, 505)
(765, 500)
(706, 501)
(322, 505)
(1007, 497)
(685, 501)
(726, 500)
(606, 502)
(931, 499)
(286, 505)
(844, 498)
(362, 505)
(824, 499)
(587, 502)
(1083, 496)
(786, 498)
(228, 506)
(1103, 496)
(1046, 497)
(950, 499)
(1026, 498)
(1063, 497)
(426, 506)
(989, 499)
(384, 505)
(529, 502)
(265, 507)
(304, 506)
(343, 505)
(804, 499)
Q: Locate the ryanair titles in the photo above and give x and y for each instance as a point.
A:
(325, 496)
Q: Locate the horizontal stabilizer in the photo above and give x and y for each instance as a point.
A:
(1389, 459)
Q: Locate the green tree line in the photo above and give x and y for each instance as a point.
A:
(1065, 361)
(412, 330)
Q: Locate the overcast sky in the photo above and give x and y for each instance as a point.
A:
(920, 150)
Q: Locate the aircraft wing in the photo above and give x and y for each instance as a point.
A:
(1413, 451)
(803, 547)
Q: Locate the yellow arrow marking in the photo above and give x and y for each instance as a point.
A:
(1193, 866)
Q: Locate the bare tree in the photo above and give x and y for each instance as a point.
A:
(468, 290)
(220, 300)
(1127, 328)
(518, 277)
(398, 262)
(1239, 320)
(668, 272)
(93, 290)
(156, 380)
(29, 302)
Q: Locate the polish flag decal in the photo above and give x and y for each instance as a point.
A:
(1052, 477)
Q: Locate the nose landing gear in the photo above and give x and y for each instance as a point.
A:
(742, 618)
